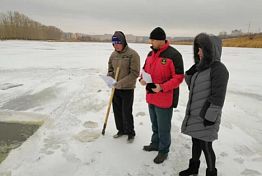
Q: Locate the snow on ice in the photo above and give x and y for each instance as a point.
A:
(59, 84)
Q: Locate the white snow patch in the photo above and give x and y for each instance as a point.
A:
(61, 86)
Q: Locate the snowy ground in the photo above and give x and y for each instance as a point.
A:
(59, 83)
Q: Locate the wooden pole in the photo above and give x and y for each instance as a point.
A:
(110, 102)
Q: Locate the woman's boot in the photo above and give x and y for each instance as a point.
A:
(211, 173)
(192, 170)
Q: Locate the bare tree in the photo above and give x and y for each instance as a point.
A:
(14, 25)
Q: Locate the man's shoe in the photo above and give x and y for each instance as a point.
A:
(160, 158)
(150, 148)
(130, 138)
(118, 134)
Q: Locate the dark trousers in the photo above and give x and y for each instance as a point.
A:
(206, 147)
(123, 107)
(161, 127)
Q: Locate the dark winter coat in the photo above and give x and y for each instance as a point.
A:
(166, 68)
(207, 82)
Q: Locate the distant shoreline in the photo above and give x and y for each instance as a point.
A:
(242, 42)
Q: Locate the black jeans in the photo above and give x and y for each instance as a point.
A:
(123, 107)
(206, 147)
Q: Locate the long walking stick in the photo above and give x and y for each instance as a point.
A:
(110, 102)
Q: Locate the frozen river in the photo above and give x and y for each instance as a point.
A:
(59, 83)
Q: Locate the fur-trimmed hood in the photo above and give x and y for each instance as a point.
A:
(212, 49)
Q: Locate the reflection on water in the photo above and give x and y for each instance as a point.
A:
(12, 135)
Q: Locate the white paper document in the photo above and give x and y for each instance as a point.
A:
(108, 80)
(146, 76)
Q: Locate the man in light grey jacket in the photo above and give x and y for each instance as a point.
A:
(207, 82)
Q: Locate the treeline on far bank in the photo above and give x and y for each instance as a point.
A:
(14, 25)
(248, 41)
(17, 26)
(245, 41)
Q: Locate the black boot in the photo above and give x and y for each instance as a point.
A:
(150, 148)
(160, 158)
(130, 138)
(211, 173)
(192, 170)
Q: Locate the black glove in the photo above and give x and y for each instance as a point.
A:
(149, 87)
(208, 123)
(192, 70)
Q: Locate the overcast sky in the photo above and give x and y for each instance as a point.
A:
(139, 17)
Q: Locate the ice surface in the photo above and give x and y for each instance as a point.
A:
(59, 84)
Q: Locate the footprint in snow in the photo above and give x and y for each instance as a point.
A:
(90, 124)
(259, 159)
(51, 144)
(140, 114)
(223, 154)
(250, 172)
(87, 135)
(239, 160)
(243, 150)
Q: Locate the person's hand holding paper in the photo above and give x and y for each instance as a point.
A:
(110, 82)
(149, 83)
(146, 76)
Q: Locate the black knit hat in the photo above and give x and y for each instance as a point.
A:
(158, 34)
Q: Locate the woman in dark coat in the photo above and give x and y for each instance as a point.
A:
(207, 82)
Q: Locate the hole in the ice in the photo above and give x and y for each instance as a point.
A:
(12, 135)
